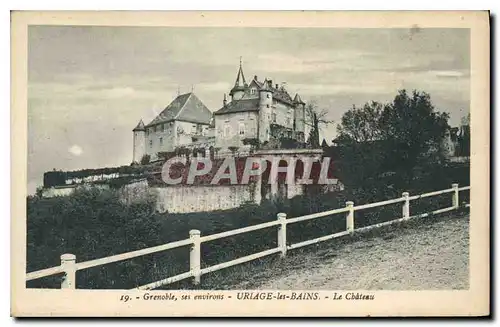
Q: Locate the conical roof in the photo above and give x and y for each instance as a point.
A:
(140, 126)
(265, 86)
(240, 83)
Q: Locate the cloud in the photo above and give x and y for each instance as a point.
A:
(119, 92)
(75, 150)
(449, 74)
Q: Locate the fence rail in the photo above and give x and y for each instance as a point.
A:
(69, 266)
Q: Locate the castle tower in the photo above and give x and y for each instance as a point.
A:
(240, 85)
(139, 141)
(265, 110)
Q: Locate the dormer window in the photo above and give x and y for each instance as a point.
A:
(253, 90)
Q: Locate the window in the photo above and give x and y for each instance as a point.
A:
(274, 117)
(154, 129)
(252, 90)
(161, 140)
(227, 130)
(150, 143)
(268, 95)
(193, 129)
(242, 129)
(163, 127)
(267, 105)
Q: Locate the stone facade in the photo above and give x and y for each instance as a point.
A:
(181, 121)
(256, 110)
(271, 104)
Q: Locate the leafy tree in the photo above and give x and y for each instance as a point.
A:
(413, 131)
(145, 159)
(395, 137)
(361, 124)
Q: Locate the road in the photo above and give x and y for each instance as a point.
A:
(426, 257)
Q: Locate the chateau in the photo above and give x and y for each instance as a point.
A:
(259, 110)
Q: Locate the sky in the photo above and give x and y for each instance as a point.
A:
(88, 86)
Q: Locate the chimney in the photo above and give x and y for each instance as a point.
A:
(270, 83)
(255, 77)
(224, 102)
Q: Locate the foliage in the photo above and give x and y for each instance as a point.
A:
(313, 139)
(361, 124)
(290, 143)
(233, 149)
(91, 224)
(464, 137)
(145, 159)
(253, 142)
(57, 178)
(395, 137)
(411, 130)
(316, 119)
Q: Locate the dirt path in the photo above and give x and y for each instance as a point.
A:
(425, 258)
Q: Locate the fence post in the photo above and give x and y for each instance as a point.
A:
(68, 264)
(406, 205)
(195, 256)
(454, 199)
(282, 234)
(350, 216)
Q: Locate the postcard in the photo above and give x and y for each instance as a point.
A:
(250, 164)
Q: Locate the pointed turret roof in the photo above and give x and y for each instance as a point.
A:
(297, 99)
(140, 126)
(266, 87)
(240, 83)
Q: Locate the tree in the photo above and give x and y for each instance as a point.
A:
(316, 119)
(464, 137)
(145, 159)
(394, 137)
(412, 130)
(361, 124)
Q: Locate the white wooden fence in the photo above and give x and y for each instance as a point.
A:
(69, 266)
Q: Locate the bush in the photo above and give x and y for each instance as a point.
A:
(145, 159)
(91, 224)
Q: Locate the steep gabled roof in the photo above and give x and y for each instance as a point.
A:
(256, 82)
(140, 126)
(297, 99)
(186, 107)
(239, 106)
